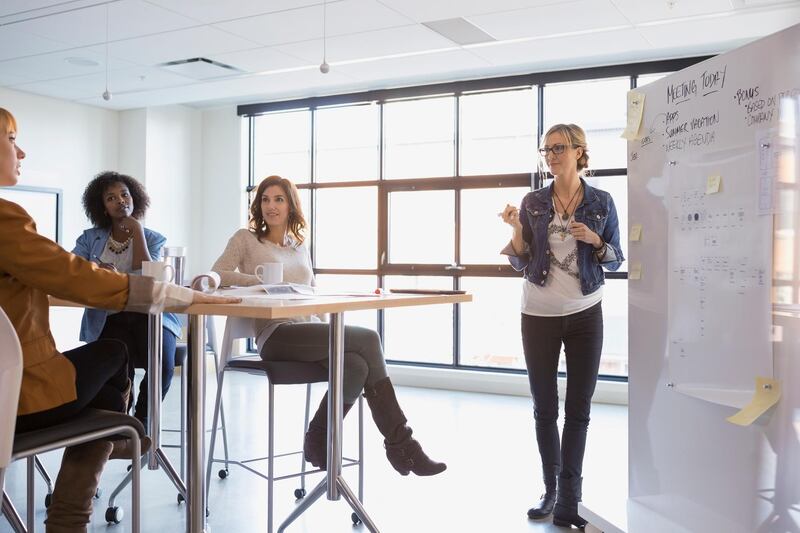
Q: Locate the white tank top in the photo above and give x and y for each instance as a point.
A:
(561, 293)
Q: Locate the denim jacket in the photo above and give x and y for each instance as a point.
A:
(596, 210)
(90, 244)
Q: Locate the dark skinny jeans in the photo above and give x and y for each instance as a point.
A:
(101, 376)
(582, 336)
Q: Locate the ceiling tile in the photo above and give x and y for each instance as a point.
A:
(638, 11)
(390, 41)
(565, 17)
(182, 44)
(259, 60)
(391, 72)
(56, 65)
(215, 10)
(577, 49)
(17, 43)
(22, 8)
(347, 16)
(126, 19)
(427, 10)
(745, 25)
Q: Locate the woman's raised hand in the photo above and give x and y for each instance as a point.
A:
(510, 216)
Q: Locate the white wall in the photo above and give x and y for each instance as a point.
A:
(219, 200)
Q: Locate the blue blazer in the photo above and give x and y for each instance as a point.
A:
(91, 243)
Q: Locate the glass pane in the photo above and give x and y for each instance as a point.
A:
(421, 228)
(614, 361)
(419, 138)
(367, 318)
(495, 309)
(421, 333)
(617, 187)
(283, 146)
(483, 233)
(498, 133)
(347, 143)
(650, 78)
(597, 106)
(346, 227)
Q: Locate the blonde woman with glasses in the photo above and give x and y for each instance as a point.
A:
(563, 236)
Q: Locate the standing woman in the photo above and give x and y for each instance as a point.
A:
(563, 236)
(115, 203)
(57, 386)
(276, 236)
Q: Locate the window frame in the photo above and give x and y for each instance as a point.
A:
(456, 183)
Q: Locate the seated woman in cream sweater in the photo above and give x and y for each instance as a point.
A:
(275, 235)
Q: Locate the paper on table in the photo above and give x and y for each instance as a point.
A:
(636, 232)
(206, 282)
(635, 112)
(767, 394)
(713, 183)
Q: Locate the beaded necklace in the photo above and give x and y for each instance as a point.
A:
(118, 247)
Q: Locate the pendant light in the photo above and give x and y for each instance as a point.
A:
(324, 67)
(107, 94)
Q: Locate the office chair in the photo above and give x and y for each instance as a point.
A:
(92, 424)
(277, 373)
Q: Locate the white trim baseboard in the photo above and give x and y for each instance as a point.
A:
(613, 392)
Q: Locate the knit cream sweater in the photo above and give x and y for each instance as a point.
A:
(244, 252)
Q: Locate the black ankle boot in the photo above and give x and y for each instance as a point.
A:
(544, 508)
(565, 512)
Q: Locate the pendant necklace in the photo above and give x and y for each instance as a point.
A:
(565, 215)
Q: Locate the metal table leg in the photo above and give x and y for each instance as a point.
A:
(334, 484)
(195, 427)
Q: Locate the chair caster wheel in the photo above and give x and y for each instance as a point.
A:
(48, 499)
(223, 473)
(98, 493)
(356, 520)
(114, 515)
(299, 494)
(181, 499)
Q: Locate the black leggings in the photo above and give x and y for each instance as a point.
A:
(101, 377)
(131, 328)
(582, 336)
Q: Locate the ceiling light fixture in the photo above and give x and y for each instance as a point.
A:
(324, 67)
(107, 94)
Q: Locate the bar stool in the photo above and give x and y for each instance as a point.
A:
(90, 425)
(277, 373)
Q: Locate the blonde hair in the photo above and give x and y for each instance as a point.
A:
(7, 121)
(575, 137)
(296, 223)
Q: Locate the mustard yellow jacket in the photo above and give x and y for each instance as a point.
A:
(33, 267)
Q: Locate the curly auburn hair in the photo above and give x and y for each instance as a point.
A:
(296, 224)
(93, 197)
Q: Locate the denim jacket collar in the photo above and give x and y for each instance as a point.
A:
(543, 198)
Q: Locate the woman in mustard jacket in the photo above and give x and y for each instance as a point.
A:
(56, 386)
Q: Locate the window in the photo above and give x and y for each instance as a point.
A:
(402, 189)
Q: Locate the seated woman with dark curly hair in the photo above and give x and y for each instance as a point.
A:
(114, 204)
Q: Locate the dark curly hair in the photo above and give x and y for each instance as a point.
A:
(93, 197)
(296, 223)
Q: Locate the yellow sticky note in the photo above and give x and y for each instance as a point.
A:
(713, 183)
(635, 112)
(635, 271)
(767, 394)
(636, 232)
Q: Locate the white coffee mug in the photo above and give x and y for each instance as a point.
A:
(159, 270)
(269, 273)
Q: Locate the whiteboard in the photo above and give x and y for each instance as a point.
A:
(702, 143)
(687, 463)
(43, 204)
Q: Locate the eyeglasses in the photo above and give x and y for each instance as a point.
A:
(556, 149)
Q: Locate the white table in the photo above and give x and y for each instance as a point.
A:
(334, 484)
